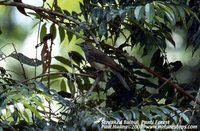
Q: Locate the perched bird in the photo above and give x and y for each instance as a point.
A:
(102, 62)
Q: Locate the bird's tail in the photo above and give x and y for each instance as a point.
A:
(121, 78)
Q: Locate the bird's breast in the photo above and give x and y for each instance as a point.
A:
(99, 66)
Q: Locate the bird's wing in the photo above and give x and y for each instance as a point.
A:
(99, 56)
(121, 78)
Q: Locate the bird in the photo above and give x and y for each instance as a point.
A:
(101, 62)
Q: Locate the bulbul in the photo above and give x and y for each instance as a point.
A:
(102, 62)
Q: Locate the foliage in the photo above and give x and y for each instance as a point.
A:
(113, 26)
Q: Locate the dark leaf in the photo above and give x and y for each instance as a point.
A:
(146, 113)
(158, 112)
(170, 39)
(122, 46)
(135, 114)
(53, 31)
(59, 67)
(2, 70)
(149, 12)
(94, 15)
(66, 12)
(131, 15)
(182, 15)
(146, 82)
(127, 114)
(102, 28)
(117, 116)
(47, 37)
(176, 65)
(69, 36)
(0, 31)
(139, 12)
(65, 94)
(40, 86)
(76, 57)
(71, 86)
(83, 10)
(36, 16)
(21, 9)
(62, 34)
(140, 73)
(155, 58)
(43, 32)
(63, 60)
(25, 60)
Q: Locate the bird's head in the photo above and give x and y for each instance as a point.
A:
(86, 46)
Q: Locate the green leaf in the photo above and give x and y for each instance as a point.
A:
(63, 86)
(149, 12)
(62, 34)
(33, 110)
(36, 16)
(71, 86)
(146, 112)
(53, 31)
(20, 107)
(27, 116)
(63, 60)
(139, 12)
(169, 13)
(135, 114)
(59, 67)
(40, 104)
(161, 114)
(116, 116)
(11, 96)
(76, 57)
(185, 117)
(165, 110)
(127, 114)
(43, 31)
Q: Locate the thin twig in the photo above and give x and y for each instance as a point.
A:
(58, 73)
(98, 78)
